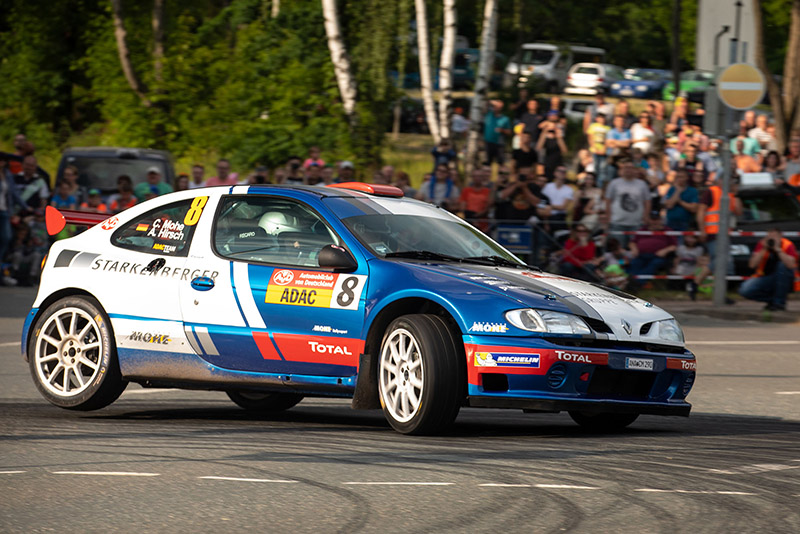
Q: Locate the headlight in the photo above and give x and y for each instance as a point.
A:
(641, 88)
(615, 86)
(547, 322)
(669, 330)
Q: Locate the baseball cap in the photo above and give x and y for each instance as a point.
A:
(93, 192)
(346, 165)
(154, 169)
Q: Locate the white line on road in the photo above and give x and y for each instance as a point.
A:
(787, 393)
(694, 492)
(11, 472)
(149, 390)
(749, 342)
(11, 344)
(276, 481)
(398, 483)
(491, 485)
(565, 486)
(107, 473)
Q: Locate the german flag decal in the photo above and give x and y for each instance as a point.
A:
(142, 227)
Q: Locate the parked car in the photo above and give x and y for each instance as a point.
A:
(641, 83)
(575, 108)
(588, 78)
(546, 64)
(692, 82)
(99, 167)
(273, 293)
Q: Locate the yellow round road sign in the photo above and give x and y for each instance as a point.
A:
(741, 86)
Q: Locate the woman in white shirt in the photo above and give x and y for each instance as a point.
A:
(642, 134)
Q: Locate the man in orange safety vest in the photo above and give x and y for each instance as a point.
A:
(775, 263)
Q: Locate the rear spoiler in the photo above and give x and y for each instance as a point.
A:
(56, 220)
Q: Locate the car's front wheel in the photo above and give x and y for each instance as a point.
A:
(420, 381)
(264, 402)
(603, 421)
(72, 355)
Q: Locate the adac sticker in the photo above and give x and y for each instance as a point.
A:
(494, 359)
(315, 289)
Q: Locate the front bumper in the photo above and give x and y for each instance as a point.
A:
(541, 375)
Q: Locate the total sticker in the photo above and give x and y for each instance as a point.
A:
(315, 289)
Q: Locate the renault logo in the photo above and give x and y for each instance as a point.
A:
(626, 326)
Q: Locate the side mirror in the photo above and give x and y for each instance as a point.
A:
(336, 258)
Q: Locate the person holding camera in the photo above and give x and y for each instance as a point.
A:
(775, 262)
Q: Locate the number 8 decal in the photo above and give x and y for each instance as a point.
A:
(196, 209)
(347, 291)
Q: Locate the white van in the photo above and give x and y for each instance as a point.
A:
(549, 63)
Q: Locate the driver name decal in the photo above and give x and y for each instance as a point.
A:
(315, 289)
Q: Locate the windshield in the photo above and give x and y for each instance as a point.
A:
(406, 227)
(771, 208)
(536, 57)
(102, 173)
(646, 76)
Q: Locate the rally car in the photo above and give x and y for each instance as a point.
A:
(273, 293)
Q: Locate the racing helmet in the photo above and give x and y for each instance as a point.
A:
(275, 222)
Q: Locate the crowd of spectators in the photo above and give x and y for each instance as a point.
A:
(583, 194)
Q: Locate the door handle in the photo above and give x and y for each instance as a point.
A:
(155, 265)
(202, 283)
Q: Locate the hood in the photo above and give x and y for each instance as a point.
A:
(623, 314)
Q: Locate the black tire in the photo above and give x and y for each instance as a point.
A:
(603, 421)
(421, 390)
(264, 402)
(72, 355)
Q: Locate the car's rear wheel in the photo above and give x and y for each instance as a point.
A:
(72, 355)
(419, 377)
(264, 402)
(603, 421)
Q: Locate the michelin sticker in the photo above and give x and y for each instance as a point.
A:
(490, 359)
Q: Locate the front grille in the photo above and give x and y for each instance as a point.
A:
(556, 376)
(645, 329)
(609, 344)
(597, 325)
(619, 383)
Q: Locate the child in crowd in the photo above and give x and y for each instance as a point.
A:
(614, 264)
(687, 261)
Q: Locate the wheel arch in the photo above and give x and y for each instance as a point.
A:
(365, 396)
(58, 295)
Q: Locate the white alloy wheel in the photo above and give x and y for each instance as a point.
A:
(68, 351)
(401, 375)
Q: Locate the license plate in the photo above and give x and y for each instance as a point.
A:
(639, 364)
(626, 92)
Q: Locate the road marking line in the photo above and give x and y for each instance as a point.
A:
(493, 485)
(11, 344)
(277, 481)
(694, 492)
(778, 342)
(787, 393)
(106, 473)
(565, 486)
(398, 483)
(11, 472)
(144, 391)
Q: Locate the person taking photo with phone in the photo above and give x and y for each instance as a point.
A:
(775, 262)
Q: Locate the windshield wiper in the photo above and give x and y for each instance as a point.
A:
(421, 255)
(499, 261)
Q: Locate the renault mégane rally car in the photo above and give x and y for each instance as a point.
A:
(273, 293)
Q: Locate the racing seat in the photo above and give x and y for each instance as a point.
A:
(244, 235)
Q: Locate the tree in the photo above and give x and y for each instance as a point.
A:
(446, 69)
(424, 54)
(121, 36)
(488, 43)
(339, 58)
(786, 106)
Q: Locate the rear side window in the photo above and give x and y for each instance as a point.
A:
(166, 230)
(265, 229)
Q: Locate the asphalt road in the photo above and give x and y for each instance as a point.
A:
(177, 461)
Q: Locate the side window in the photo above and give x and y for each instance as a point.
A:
(270, 230)
(166, 230)
(562, 61)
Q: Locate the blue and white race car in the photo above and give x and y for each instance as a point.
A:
(273, 293)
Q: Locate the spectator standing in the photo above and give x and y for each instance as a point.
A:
(650, 251)
(63, 200)
(313, 157)
(589, 203)
(21, 150)
(94, 203)
(681, 202)
(32, 188)
(578, 256)
(387, 173)
(9, 197)
(749, 145)
(642, 134)
(182, 182)
(198, 176)
(775, 263)
(624, 109)
(627, 202)
(293, 174)
(742, 162)
(125, 197)
(708, 218)
(519, 108)
(346, 172)
(476, 199)
(531, 119)
(792, 165)
(440, 189)
(596, 135)
(313, 174)
(600, 106)
(442, 153)
(327, 175)
(496, 127)
(522, 198)
(460, 125)
(766, 141)
(153, 180)
(772, 165)
(560, 196)
(223, 177)
(403, 181)
(525, 155)
(71, 178)
(618, 139)
(551, 142)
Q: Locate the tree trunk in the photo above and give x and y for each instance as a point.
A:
(124, 54)
(158, 40)
(339, 58)
(676, 47)
(774, 90)
(791, 73)
(446, 69)
(423, 52)
(276, 8)
(488, 43)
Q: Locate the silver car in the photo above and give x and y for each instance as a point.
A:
(588, 78)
